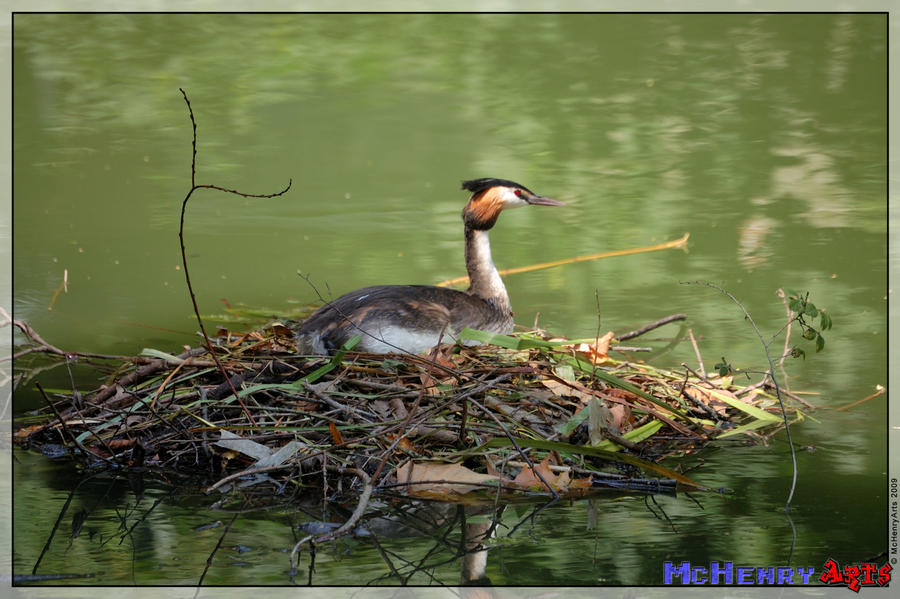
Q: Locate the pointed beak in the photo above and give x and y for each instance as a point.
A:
(542, 201)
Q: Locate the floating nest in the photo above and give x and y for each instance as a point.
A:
(520, 416)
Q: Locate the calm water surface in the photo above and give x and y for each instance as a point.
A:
(762, 136)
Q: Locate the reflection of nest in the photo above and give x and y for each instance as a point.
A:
(462, 424)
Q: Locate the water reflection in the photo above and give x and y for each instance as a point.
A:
(811, 177)
(160, 534)
(753, 248)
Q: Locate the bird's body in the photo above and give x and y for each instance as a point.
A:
(414, 318)
(391, 318)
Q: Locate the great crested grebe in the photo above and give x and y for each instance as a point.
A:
(413, 318)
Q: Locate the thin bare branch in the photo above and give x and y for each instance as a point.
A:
(651, 326)
(187, 276)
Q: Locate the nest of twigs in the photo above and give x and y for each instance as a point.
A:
(527, 416)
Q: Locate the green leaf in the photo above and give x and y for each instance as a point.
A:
(502, 340)
(809, 334)
(811, 310)
(489, 338)
(795, 305)
(155, 353)
(824, 320)
(744, 428)
(572, 423)
(723, 367)
(635, 436)
(744, 406)
(820, 343)
(565, 371)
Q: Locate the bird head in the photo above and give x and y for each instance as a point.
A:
(490, 197)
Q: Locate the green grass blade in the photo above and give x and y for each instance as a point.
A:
(750, 426)
(744, 407)
(309, 378)
(332, 364)
(635, 436)
(155, 353)
(502, 340)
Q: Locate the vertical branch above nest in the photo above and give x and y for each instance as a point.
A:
(187, 277)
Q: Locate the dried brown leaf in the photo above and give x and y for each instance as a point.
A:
(562, 482)
(120, 443)
(281, 330)
(429, 385)
(528, 478)
(336, 436)
(620, 416)
(25, 431)
(436, 480)
(581, 483)
(561, 389)
(596, 352)
(703, 395)
(403, 443)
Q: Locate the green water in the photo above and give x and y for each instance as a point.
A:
(763, 136)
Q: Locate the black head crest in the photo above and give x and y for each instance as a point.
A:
(479, 185)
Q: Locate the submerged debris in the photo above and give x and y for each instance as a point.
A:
(520, 416)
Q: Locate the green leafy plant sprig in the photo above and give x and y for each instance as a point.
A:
(805, 312)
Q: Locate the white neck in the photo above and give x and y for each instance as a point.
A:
(484, 280)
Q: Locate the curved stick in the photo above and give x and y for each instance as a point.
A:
(651, 326)
(187, 276)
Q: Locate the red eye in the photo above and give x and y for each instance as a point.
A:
(518, 192)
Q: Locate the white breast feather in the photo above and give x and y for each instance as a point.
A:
(389, 337)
